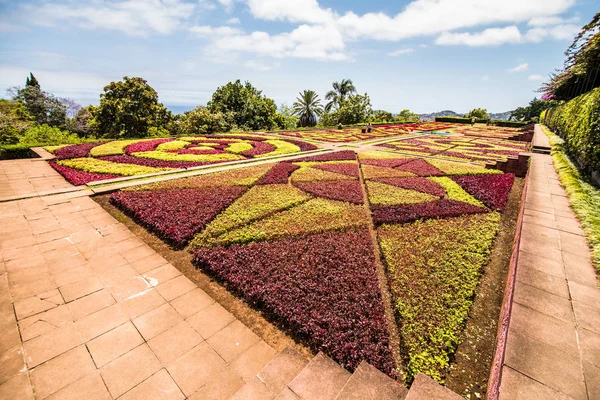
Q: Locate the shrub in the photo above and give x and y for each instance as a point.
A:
(279, 174)
(40, 135)
(493, 190)
(383, 194)
(423, 185)
(98, 166)
(78, 177)
(75, 151)
(411, 212)
(454, 191)
(349, 191)
(333, 156)
(350, 169)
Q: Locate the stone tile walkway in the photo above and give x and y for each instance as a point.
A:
(29, 177)
(553, 347)
(88, 310)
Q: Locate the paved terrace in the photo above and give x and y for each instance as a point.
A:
(89, 310)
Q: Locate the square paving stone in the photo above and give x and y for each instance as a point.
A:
(114, 343)
(196, 368)
(130, 369)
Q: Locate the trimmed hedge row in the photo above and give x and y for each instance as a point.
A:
(578, 123)
(461, 120)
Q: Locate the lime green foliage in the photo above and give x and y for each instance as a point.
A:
(94, 165)
(314, 216)
(377, 155)
(455, 192)
(382, 194)
(451, 168)
(160, 155)
(313, 174)
(578, 123)
(583, 196)
(46, 135)
(238, 148)
(281, 147)
(256, 204)
(114, 148)
(373, 171)
(172, 145)
(304, 164)
(434, 268)
(52, 149)
(246, 176)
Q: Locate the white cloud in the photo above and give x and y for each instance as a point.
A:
(488, 37)
(134, 17)
(551, 20)
(261, 66)
(485, 78)
(205, 30)
(233, 21)
(401, 52)
(308, 11)
(536, 77)
(519, 68)
(557, 32)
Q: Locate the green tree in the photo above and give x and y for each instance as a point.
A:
(479, 113)
(341, 90)
(290, 121)
(532, 110)
(201, 120)
(14, 119)
(407, 116)
(308, 107)
(128, 109)
(354, 110)
(247, 106)
(43, 135)
(382, 116)
(42, 106)
(83, 124)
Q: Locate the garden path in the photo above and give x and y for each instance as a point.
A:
(553, 345)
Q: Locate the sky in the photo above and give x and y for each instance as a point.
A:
(424, 55)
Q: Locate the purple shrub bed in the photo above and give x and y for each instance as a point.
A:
(75, 151)
(148, 162)
(147, 145)
(258, 149)
(304, 146)
(420, 167)
(387, 163)
(323, 287)
(493, 190)
(350, 169)
(411, 212)
(279, 174)
(419, 184)
(77, 177)
(191, 150)
(349, 191)
(333, 156)
(176, 215)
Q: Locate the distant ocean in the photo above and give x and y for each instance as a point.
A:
(179, 109)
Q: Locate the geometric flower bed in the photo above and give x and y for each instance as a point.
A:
(460, 148)
(83, 163)
(294, 239)
(488, 131)
(355, 134)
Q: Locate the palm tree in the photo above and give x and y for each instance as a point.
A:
(340, 91)
(308, 107)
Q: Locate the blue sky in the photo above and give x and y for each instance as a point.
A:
(425, 55)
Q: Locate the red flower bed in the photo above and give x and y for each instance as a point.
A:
(387, 163)
(148, 145)
(303, 145)
(77, 177)
(419, 184)
(278, 174)
(176, 215)
(147, 162)
(345, 169)
(258, 148)
(333, 156)
(421, 167)
(411, 212)
(493, 190)
(194, 151)
(349, 191)
(324, 288)
(75, 151)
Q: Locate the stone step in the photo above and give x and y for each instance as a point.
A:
(425, 388)
(367, 383)
(321, 379)
(280, 371)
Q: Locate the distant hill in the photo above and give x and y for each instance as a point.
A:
(450, 113)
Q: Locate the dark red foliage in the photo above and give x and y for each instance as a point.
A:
(147, 162)
(333, 156)
(75, 151)
(303, 145)
(249, 138)
(387, 163)
(278, 174)
(349, 191)
(176, 215)
(194, 151)
(419, 184)
(341, 168)
(411, 212)
(77, 177)
(323, 287)
(493, 190)
(420, 167)
(148, 145)
(258, 148)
